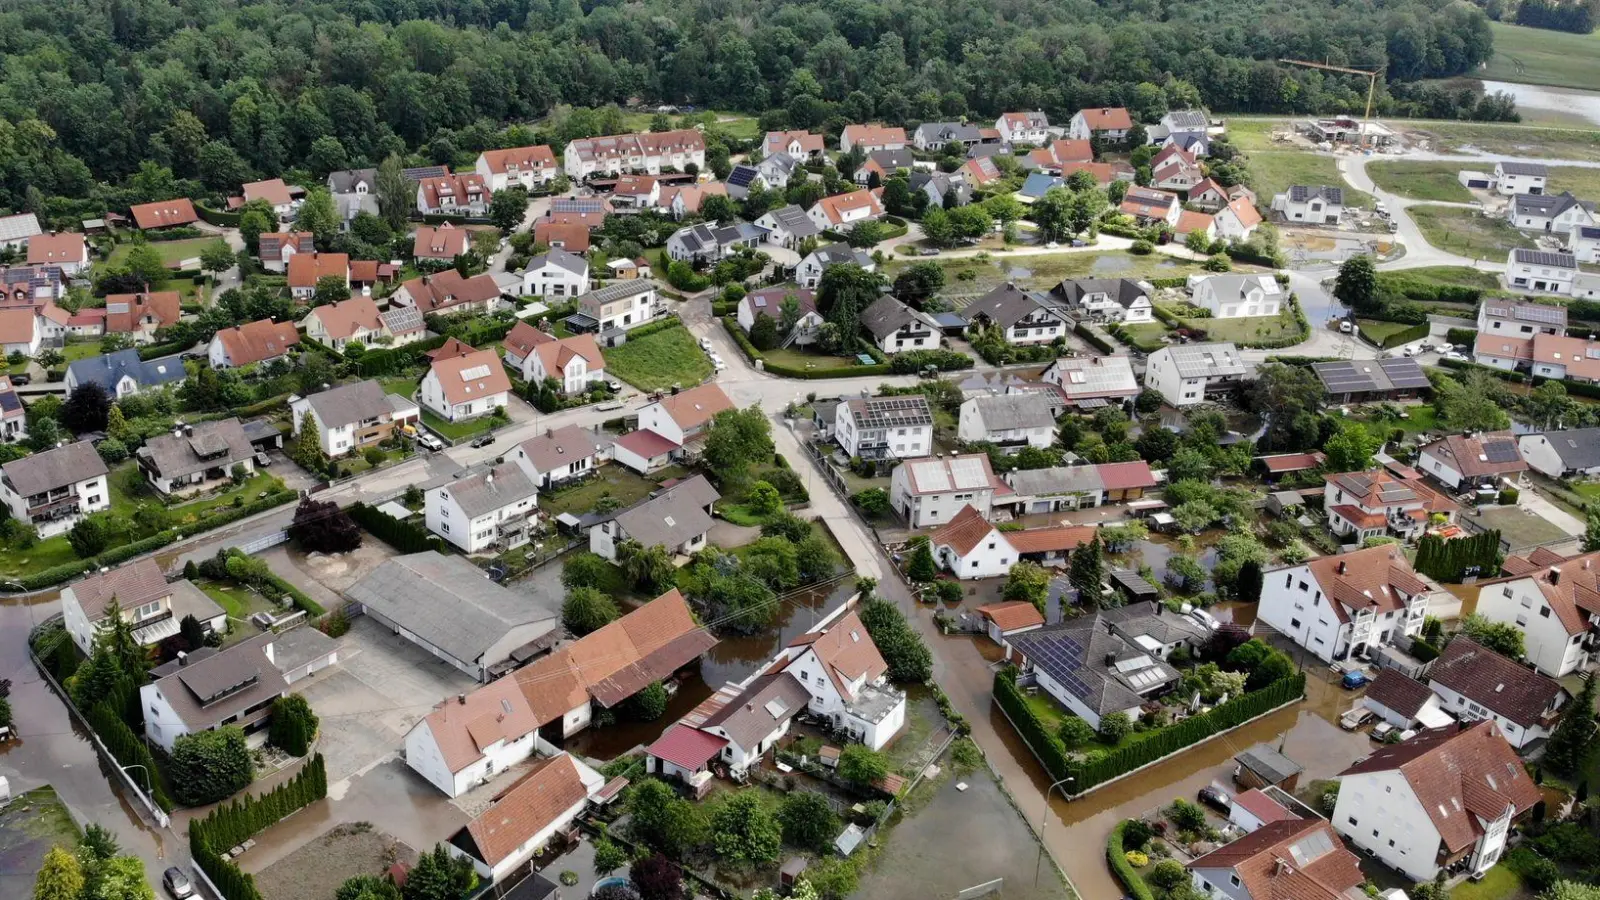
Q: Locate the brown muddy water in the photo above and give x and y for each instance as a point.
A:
(1155, 550)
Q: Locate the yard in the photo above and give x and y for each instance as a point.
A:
(1462, 276)
(404, 385)
(1377, 332)
(30, 825)
(1247, 328)
(1543, 56)
(1467, 231)
(1499, 883)
(658, 361)
(973, 276)
(1146, 336)
(239, 603)
(459, 430)
(171, 251)
(1273, 171)
(615, 480)
(796, 358)
(1421, 180)
(315, 871)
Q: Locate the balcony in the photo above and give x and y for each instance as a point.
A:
(51, 510)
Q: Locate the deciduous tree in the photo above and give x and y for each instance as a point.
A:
(588, 609)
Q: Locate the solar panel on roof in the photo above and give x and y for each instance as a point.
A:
(1404, 373)
(931, 476)
(1548, 315)
(968, 473)
(1501, 451)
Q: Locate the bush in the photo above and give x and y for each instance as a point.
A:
(208, 766)
(1117, 857)
(1083, 330)
(402, 536)
(293, 726)
(1142, 248)
(874, 502)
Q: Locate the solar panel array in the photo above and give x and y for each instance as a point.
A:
(1501, 451)
(1404, 374)
(577, 205)
(893, 412)
(1537, 312)
(1062, 658)
(1365, 376)
(968, 473)
(1395, 493)
(930, 476)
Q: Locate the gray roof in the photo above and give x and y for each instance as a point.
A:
(941, 184)
(53, 469)
(1095, 376)
(449, 603)
(345, 182)
(1521, 168)
(300, 646)
(559, 258)
(794, 220)
(1153, 620)
(1006, 412)
(1371, 375)
(887, 315)
(1074, 654)
(1186, 120)
(1300, 193)
(483, 491)
(1233, 286)
(760, 709)
(695, 238)
(14, 228)
(203, 445)
(1123, 291)
(1544, 258)
(901, 411)
(1269, 763)
(557, 448)
(351, 403)
(1206, 360)
(1541, 313)
(1055, 480)
(833, 254)
(1005, 305)
(892, 159)
(618, 290)
(1543, 204)
(216, 686)
(672, 517)
(945, 132)
(980, 151)
(111, 368)
(1579, 448)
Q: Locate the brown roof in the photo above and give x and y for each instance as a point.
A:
(463, 727)
(123, 311)
(696, 406)
(963, 532)
(1070, 150)
(1258, 804)
(537, 158)
(443, 290)
(340, 320)
(1012, 614)
(573, 238)
(1107, 118)
(1148, 202)
(836, 206)
(458, 189)
(444, 242)
(370, 271)
(1045, 540)
(761, 709)
(256, 341)
(164, 213)
(1291, 859)
(523, 337)
(206, 692)
(1379, 489)
(1456, 770)
(1513, 691)
(1368, 577)
(544, 794)
(469, 377)
(693, 194)
(273, 190)
(846, 652)
(306, 268)
(875, 134)
(554, 355)
(1246, 210)
(556, 448)
(1192, 220)
(56, 249)
(1465, 453)
(18, 325)
(1399, 692)
(1504, 346)
(590, 220)
(450, 349)
(776, 141)
(634, 185)
(1104, 173)
(1291, 462)
(133, 584)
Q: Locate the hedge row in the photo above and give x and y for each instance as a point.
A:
(388, 360)
(402, 536)
(910, 362)
(1576, 388)
(652, 328)
(1403, 336)
(1083, 330)
(229, 826)
(1466, 336)
(1424, 291)
(1176, 281)
(217, 217)
(1289, 340)
(754, 355)
(128, 748)
(156, 351)
(312, 608)
(1167, 316)
(1117, 858)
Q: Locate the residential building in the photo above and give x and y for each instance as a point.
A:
(161, 214)
(555, 274)
(465, 194)
(1313, 204)
(573, 238)
(1549, 213)
(358, 319)
(140, 316)
(522, 821)
(677, 518)
(444, 243)
(884, 427)
(1382, 502)
(623, 305)
(1573, 453)
(938, 135)
(1552, 600)
(847, 678)
(1150, 207)
(254, 342)
(1466, 461)
(1288, 857)
(1186, 129)
(1175, 169)
(1541, 271)
(686, 199)
(575, 361)
(20, 331)
(352, 417)
(488, 508)
(151, 607)
(448, 607)
(970, 546)
(1520, 178)
(649, 153)
(560, 455)
(1010, 421)
(938, 187)
(1343, 606)
(975, 174)
(931, 491)
(1023, 127)
(798, 144)
(276, 248)
(1474, 683)
(1023, 317)
(735, 727)
(1405, 702)
(67, 251)
(1009, 617)
(1191, 222)
(636, 192)
(1061, 488)
(1194, 373)
(13, 415)
(1565, 358)
(678, 420)
(275, 194)
(52, 490)
(32, 285)
(1237, 220)
(1089, 382)
(527, 167)
(743, 179)
(842, 211)
(123, 373)
(1209, 196)
(465, 387)
(210, 688)
(1239, 296)
(896, 327)
(809, 272)
(871, 137)
(710, 243)
(196, 457)
(883, 164)
(1365, 381)
(1109, 299)
(306, 269)
(448, 293)
(769, 302)
(1445, 798)
(1110, 124)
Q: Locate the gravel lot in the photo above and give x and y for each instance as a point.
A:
(315, 871)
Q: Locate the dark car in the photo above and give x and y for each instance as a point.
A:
(177, 883)
(21, 378)
(484, 441)
(1216, 798)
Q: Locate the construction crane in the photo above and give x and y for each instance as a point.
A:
(1372, 79)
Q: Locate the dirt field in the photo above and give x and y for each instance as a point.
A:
(315, 871)
(340, 570)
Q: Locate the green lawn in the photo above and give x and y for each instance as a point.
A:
(1584, 183)
(739, 125)
(1519, 140)
(1377, 332)
(801, 359)
(1420, 418)
(615, 480)
(1146, 336)
(239, 603)
(973, 276)
(1499, 883)
(1421, 180)
(1461, 276)
(1541, 56)
(405, 386)
(457, 431)
(657, 361)
(1467, 232)
(1273, 171)
(1247, 328)
(171, 251)
(1051, 714)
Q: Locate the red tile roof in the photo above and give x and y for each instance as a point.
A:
(443, 291)
(256, 341)
(1263, 807)
(444, 242)
(56, 249)
(473, 376)
(463, 728)
(1291, 462)
(123, 311)
(846, 652)
(687, 747)
(696, 406)
(1107, 118)
(1045, 540)
(1369, 577)
(1012, 614)
(963, 532)
(273, 190)
(164, 213)
(536, 158)
(573, 238)
(1125, 475)
(1288, 860)
(645, 444)
(1573, 593)
(536, 802)
(306, 269)
(1465, 453)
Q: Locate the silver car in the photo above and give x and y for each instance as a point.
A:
(177, 883)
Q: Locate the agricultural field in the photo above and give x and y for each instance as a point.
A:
(1540, 56)
(1421, 180)
(1514, 140)
(1273, 171)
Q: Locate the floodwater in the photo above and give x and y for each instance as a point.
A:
(1157, 549)
(1563, 103)
(1116, 262)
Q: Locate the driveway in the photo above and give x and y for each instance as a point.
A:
(1531, 500)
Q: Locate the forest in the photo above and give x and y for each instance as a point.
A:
(223, 91)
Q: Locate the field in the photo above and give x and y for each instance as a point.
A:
(1541, 56)
(657, 361)
(30, 825)
(1515, 140)
(1378, 332)
(1448, 275)
(737, 125)
(171, 251)
(1465, 231)
(1272, 171)
(1421, 180)
(1583, 183)
(973, 276)
(1248, 328)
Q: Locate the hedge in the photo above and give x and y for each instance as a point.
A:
(1167, 316)
(231, 825)
(647, 330)
(441, 218)
(754, 355)
(312, 608)
(1083, 330)
(1289, 340)
(1176, 281)
(388, 360)
(127, 748)
(1575, 388)
(1116, 857)
(1403, 336)
(1424, 291)
(175, 233)
(910, 362)
(401, 535)
(156, 351)
(1246, 254)
(1466, 336)
(220, 218)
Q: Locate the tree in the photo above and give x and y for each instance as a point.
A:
(648, 568)
(60, 877)
(744, 832)
(1357, 284)
(1350, 449)
(1572, 744)
(144, 263)
(395, 197)
(1476, 403)
(585, 569)
(1027, 581)
(190, 629)
(440, 875)
(330, 289)
(318, 215)
(736, 440)
(862, 766)
(1168, 874)
(86, 409)
(808, 821)
(1075, 732)
(1114, 726)
(98, 844)
(650, 703)
(764, 333)
(1591, 534)
(307, 451)
(842, 294)
(921, 567)
(1290, 398)
(918, 282)
(763, 499)
(293, 725)
(588, 609)
(608, 857)
(208, 766)
(664, 820)
(814, 558)
(217, 257)
(1248, 583)
(1571, 890)
(1087, 571)
(120, 878)
(320, 526)
(718, 208)
(656, 878)
(507, 209)
(92, 535)
(1501, 637)
(367, 887)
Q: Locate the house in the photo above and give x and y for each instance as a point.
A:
(1344, 606)
(1068, 151)
(797, 144)
(939, 187)
(884, 427)
(1262, 767)
(306, 269)
(152, 607)
(1023, 127)
(13, 415)
(52, 490)
(196, 457)
(161, 214)
(1192, 373)
(450, 608)
(209, 688)
(444, 243)
(67, 251)
(30, 285)
(352, 417)
(1549, 213)
(1315, 205)
(1238, 219)
(573, 238)
(1011, 421)
(1194, 222)
(1474, 682)
(1023, 317)
(650, 153)
(1462, 462)
(623, 305)
(1446, 798)
(560, 455)
(707, 242)
(465, 387)
(677, 518)
(1378, 503)
(1562, 454)
(1089, 382)
(1239, 296)
(896, 327)
(744, 179)
(1150, 207)
(276, 248)
(1541, 271)
(139, 316)
(938, 135)
(254, 342)
(275, 194)
(636, 192)
(1254, 808)
(868, 138)
(123, 373)
(463, 194)
(90, 321)
(735, 727)
(1175, 169)
(1520, 178)
(787, 226)
(1551, 599)
(483, 509)
(929, 492)
(20, 331)
(638, 267)
(1109, 299)
(1009, 617)
(770, 302)
(841, 211)
(448, 293)
(1061, 488)
(1290, 857)
(970, 546)
(679, 419)
(1365, 381)
(575, 361)
(1565, 358)
(883, 164)
(522, 821)
(809, 272)
(1209, 196)
(1110, 124)
(686, 199)
(367, 274)
(1188, 129)
(847, 678)
(1404, 702)
(358, 319)
(555, 274)
(527, 167)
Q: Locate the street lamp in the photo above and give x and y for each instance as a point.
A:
(1044, 822)
(149, 791)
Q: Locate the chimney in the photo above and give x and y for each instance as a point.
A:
(1342, 566)
(1279, 867)
(549, 432)
(183, 658)
(1111, 659)
(461, 699)
(1555, 574)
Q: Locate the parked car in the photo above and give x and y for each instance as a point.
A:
(928, 251)
(616, 386)
(1346, 326)
(1353, 680)
(263, 460)
(177, 883)
(1381, 730)
(1355, 718)
(21, 378)
(705, 344)
(430, 442)
(1204, 618)
(483, 441)
(1216, 798)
